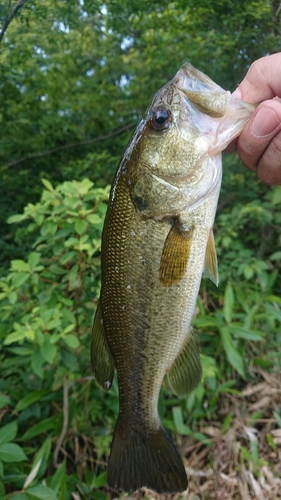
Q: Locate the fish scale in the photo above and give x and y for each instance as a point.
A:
(157, 240)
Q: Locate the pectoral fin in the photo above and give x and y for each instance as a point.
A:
(101, 357)
(175, 255)
(186, 371)
(211, 262)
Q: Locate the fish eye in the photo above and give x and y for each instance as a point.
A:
(161, 119)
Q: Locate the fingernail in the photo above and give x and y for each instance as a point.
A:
(265, 122)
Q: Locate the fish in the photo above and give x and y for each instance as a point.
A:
(157, 241)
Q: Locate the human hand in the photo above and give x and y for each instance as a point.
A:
(259, 145)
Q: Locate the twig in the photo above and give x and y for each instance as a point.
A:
(72, 145)
(9, 18)
(65, 422)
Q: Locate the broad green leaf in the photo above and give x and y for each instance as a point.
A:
(47, 185)
(20, 265)
(41, 492)
(8, 432)
(99, 481)
(80, 226)
(4, 400)
(99, 495)
(14, 337)
(48, 350)
(29, 399)
(276, 198)
(19, 279)
(11, 452)
(12, 296)
(71, 341)
(57, 477)
(246, 334)
(233, 356)
(16, 218)
(94, 219)
(33, 260)
(276, 256)
(37, 362)
(21, 496)
(44, 426)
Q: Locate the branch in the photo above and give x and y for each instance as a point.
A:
(72, 145)
(9, 18)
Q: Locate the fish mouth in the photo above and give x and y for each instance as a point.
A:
(173, 182)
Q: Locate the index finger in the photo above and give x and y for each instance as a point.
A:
(262, 80)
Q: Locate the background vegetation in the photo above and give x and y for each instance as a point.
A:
(76, 77)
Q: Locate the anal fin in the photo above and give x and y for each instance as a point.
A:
(175, 255)
(186, 371)
(101, 357)
(211, 262)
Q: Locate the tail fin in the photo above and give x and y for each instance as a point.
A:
(147, 459)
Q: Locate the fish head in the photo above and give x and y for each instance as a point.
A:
(190, 119)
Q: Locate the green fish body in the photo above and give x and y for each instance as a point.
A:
(157, 241)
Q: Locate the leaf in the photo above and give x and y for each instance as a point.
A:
(245, 333)
(8, 432)
(4, 400)
(94, 219)
(276, 198)
(37, 362)
(48, 185)
(19, 279)
(16, 218)
(21, 496)
(276, 256)
(14, 337)
(33, 473)
(71, 341)
(99, 481)
(58, 476)
(29, 399)
(33, 260)
(20, 265)
(180, 427)
(232, 354)
(12, 297)
(44, 453)
(11, 452)
(228, 303)
(80, 226)
(44, 426)
(41, 492)
(99, 495)
(48, 350)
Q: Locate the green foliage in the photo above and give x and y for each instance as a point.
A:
(46, 304)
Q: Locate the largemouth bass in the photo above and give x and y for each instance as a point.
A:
(157, 241)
